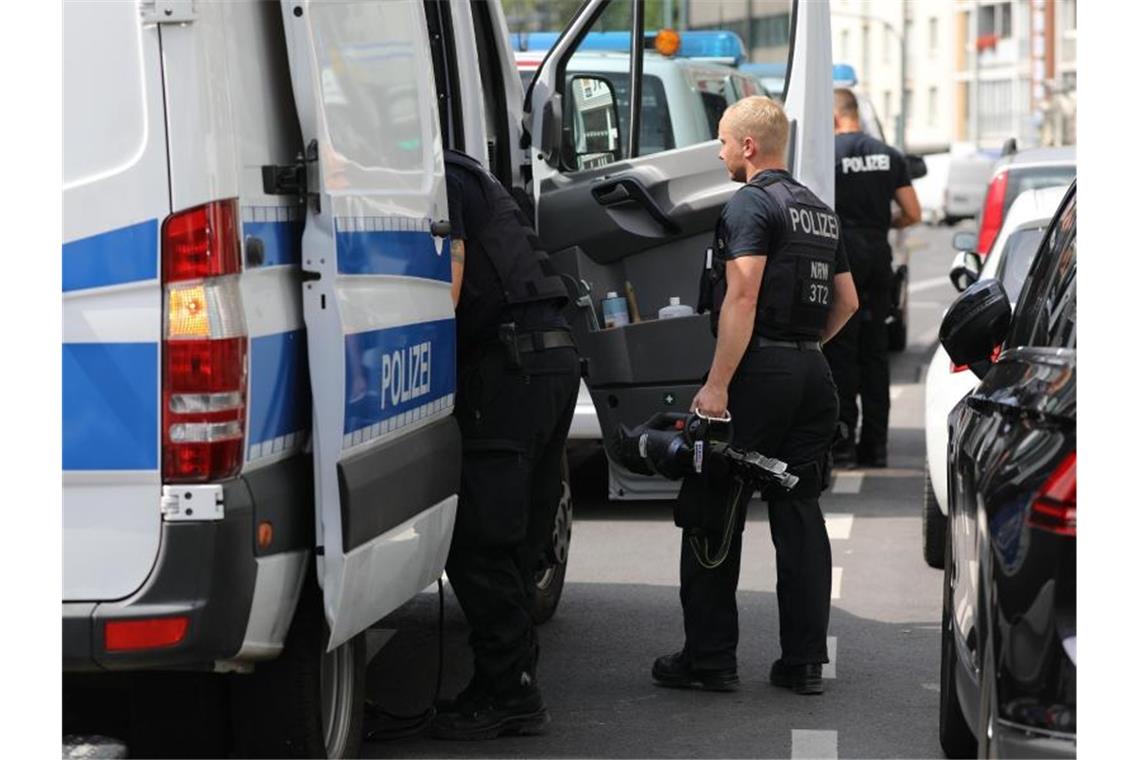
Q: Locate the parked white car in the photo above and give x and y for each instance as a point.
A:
(946, 383)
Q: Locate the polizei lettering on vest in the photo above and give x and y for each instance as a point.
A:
(405, 374)
(815, 222)
(875, 162)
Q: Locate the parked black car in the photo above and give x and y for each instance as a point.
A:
(1009, 623)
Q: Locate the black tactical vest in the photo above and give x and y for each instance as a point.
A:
(798, 282)
(520, 274)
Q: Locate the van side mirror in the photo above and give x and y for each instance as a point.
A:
(965, 270)
(592, 125)
(915, 166)
(975, 325)
(965, 241)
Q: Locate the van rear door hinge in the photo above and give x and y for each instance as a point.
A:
(299, 178)
(167, 11)
(185, 503)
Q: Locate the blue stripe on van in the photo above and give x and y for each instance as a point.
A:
(127, 254)
(281, 241)
(110, 406)
(279, 386)
(390, 371)
(392, 252)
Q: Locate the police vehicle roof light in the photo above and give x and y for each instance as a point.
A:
(843, 75)
(667, 42)
(719, 45)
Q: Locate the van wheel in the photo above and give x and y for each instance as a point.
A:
(307, 702)
(953, 732)
(550, 577)
(933, 526)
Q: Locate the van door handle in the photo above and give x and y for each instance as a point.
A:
(630, 189)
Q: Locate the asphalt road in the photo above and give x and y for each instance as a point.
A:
(620, 609)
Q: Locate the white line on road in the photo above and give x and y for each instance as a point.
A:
(829, 667)
(836, 581)
(819, 745)
(839, 525)
(929, 284)
(847, 482)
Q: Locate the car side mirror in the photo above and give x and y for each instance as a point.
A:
(915, 166)
(593, 128)
(964, 241)
(975, 325)
(965, 270)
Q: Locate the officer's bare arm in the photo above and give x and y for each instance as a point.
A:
(458, 256)
(734, 330)
(909, 210)
(843, 306)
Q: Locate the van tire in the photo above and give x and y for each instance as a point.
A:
(933, 526)
(277, 710)
(551, 576)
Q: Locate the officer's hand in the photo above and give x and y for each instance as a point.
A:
(711, 400)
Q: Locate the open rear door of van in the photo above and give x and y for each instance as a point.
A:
(620, 217)
(377, 304)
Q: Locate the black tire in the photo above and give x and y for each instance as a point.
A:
(277, 710)
(551, 575)
(954, 732)
(933, 527)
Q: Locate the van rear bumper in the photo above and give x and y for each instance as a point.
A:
(205, 571)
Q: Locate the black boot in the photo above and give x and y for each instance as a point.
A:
(674, 671)
(519, 711)
(872, 455)
(802, 679)
(473, 691)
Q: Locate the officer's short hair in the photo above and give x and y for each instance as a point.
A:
(762, 119)
(846, 102)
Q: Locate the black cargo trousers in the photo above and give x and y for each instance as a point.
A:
(514, 423)
(858, 354)
(783, 404)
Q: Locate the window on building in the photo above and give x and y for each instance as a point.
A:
(771, 31)
(845, 45)
(995, 21)
(908, 105)
(932, 106)
(932, 36)
(1068, 15)
(888, 43)
(887, 114)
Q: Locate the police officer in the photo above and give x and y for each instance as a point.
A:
(518, 378)
(869, 174)
(779, 287)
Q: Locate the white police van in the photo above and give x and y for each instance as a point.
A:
(259, 457)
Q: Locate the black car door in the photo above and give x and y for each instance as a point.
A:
(1012, 432)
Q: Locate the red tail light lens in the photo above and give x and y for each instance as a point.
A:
(205, 346)
(152, 633)
(992, 213)
(201, 242)
(1055, 507)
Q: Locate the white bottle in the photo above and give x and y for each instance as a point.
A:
(674, 309)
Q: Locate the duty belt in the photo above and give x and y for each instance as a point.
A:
(759, 341)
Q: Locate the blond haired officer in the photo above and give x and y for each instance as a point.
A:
(777, 286)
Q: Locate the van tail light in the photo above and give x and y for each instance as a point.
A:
(992, 213)
(147, 633)
(1055, 506)
(205, 345)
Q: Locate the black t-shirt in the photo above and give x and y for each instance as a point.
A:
(468, 211)
(867, 173)
(752, 224)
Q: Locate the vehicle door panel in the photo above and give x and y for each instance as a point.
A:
(376, 298)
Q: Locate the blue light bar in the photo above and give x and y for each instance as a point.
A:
(842, 74)
(705, 44)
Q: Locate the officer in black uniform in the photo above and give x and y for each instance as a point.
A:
(869, 174)
(778, 284)
(518, 379)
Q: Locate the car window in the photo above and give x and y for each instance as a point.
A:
(1016, 258)
(1047, 286)
(1037, 177)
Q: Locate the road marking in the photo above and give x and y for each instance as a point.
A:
(839, 525)
(847, 482)
(820, 745)
(829, 667)
(929, 284)
(836, 581)
(374, 641)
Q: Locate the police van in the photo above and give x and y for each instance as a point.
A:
(259, 456)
